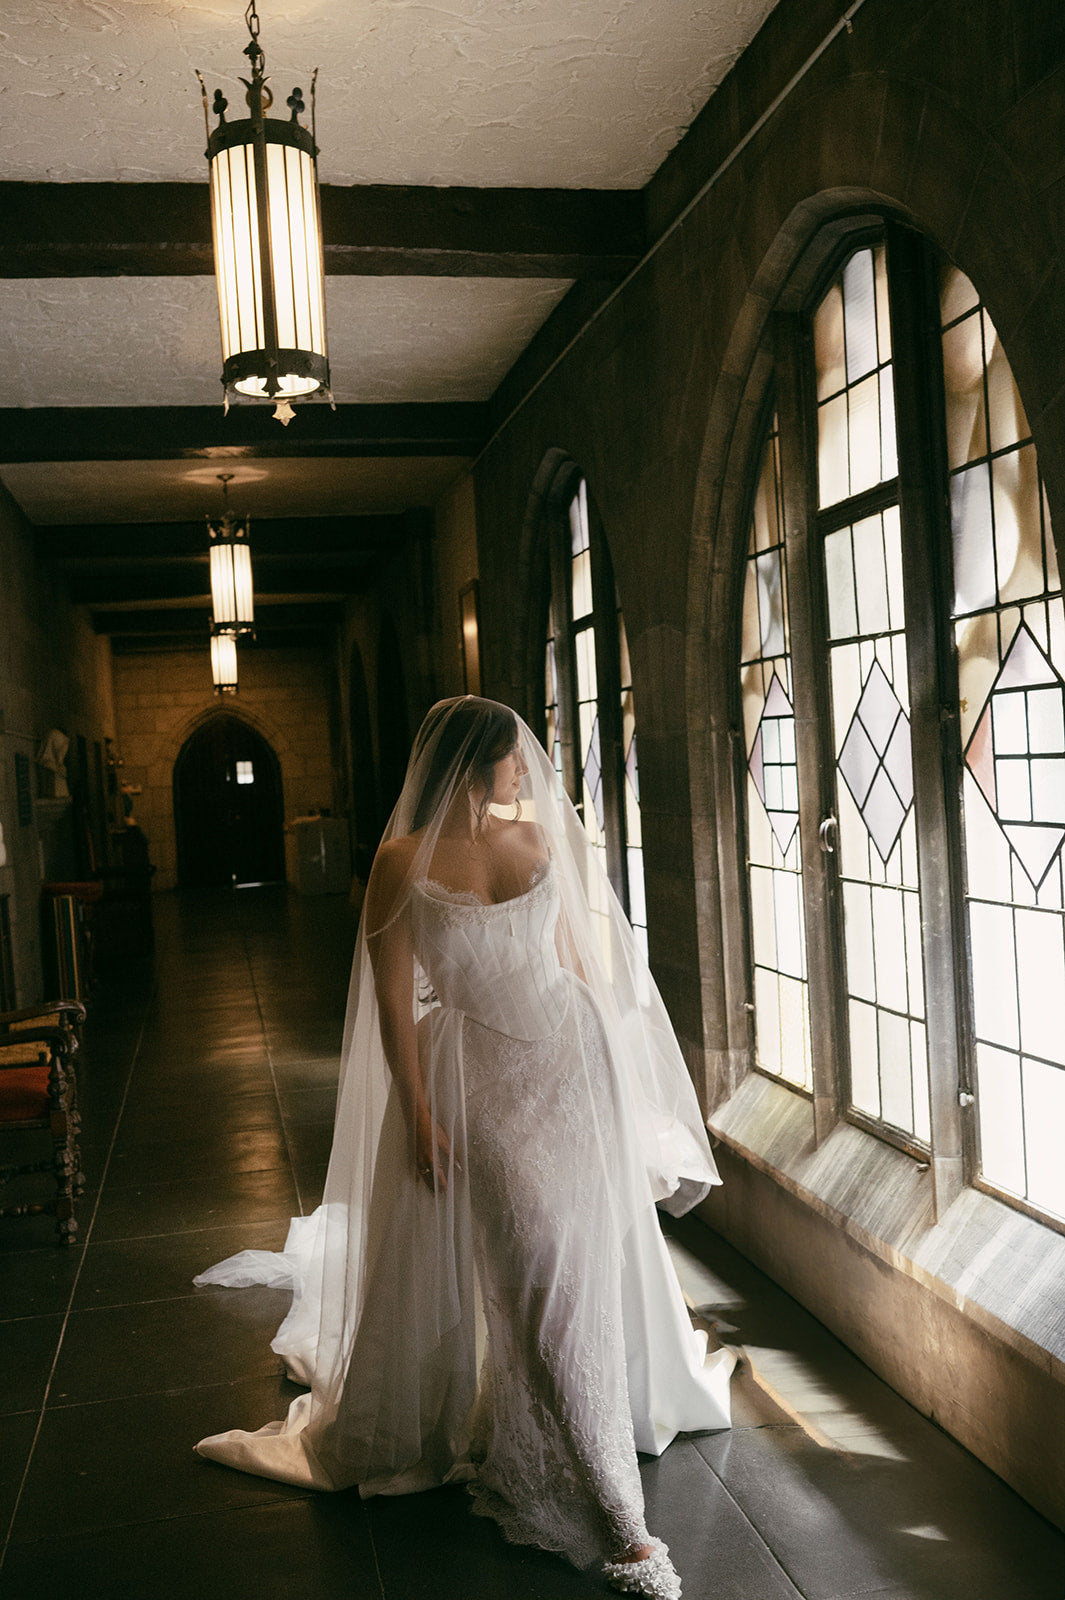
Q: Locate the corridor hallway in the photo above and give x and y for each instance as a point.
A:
(207, 1095)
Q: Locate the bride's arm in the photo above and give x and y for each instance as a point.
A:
(566, 947)
(392, 958)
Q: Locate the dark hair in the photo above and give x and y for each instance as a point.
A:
(476, 732)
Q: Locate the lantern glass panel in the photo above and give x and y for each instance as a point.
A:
(224, 663)
(295, 265)
(242, 584)
(240, 295)
(232, 595)
(223, 597)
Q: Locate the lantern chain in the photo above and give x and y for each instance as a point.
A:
(253, 49)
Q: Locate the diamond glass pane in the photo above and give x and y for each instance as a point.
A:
(772, 764)
(592, 773)
(1009, 630)
(875, 761)
(877, 838)
(1017, 755)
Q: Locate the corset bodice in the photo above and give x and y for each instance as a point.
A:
(495, 963)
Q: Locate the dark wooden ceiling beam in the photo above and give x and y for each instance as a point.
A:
(315, 637)
(141, 585)
(295, 639)
(85, 230)
(172, 433)
(191, 623)
(318, 541)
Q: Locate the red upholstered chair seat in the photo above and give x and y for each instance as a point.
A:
(24, 1093)
(39, 1091)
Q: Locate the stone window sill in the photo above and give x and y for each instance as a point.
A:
(1003, 1269)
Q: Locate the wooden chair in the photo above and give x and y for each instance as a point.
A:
(38, 1091)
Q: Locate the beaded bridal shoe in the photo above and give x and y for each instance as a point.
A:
(655, 1576)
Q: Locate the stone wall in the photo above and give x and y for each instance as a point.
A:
(55, 672)
(160, 699)
(398, 651)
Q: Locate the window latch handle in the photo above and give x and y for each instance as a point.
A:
(823, 835)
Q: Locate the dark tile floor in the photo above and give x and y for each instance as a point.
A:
(207, 1090)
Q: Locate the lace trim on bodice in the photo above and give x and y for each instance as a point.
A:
(469, 906)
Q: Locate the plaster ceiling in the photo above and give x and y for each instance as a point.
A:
(515, 93)
(484, 94)
(155, 341)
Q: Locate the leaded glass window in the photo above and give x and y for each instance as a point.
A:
(906, 859)
(860, 664)
(1009, 633)
(590, 720)
(877, 833)
(774, 865)
(869, 699)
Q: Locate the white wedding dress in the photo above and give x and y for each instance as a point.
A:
(588, 1352)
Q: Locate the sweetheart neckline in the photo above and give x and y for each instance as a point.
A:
(467, 897)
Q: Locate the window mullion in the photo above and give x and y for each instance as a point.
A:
(932, 711)
(604, 607)
(821, 897)
(564, 663)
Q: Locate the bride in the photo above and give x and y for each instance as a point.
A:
(512, 1105)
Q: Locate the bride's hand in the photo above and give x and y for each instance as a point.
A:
(432, 1147)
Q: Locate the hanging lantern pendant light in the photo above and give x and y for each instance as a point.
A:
(224, 663)
(267, 244)
(232, 592)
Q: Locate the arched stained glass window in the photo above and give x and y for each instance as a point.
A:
(904, 749)
(590, 719)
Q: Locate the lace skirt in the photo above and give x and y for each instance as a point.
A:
(553, 1439)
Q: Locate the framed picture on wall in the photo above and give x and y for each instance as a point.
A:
(471, 638)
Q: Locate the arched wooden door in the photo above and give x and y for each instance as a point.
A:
(228, 810)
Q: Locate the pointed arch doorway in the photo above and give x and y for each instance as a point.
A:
(228, 808)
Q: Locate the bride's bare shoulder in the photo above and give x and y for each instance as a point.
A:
(388, 878)
(528, 837)
(394, 860)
